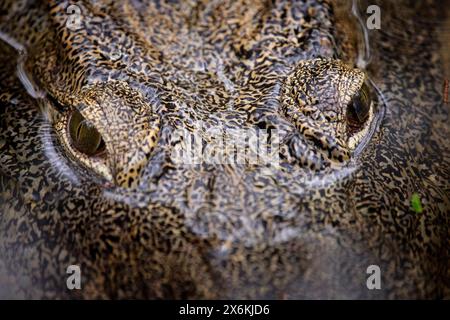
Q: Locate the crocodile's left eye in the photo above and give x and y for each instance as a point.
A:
(359, 107)
(84, 136)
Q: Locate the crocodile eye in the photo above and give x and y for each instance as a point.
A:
(358, 109)
(85, 138)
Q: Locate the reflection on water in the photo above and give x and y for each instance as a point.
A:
(363, 58)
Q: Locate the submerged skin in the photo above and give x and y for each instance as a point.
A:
(142, 225)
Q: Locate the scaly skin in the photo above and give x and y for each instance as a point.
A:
(143, 225)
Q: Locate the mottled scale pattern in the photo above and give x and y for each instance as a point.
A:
(142, 225)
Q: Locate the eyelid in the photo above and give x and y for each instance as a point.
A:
(56, 105)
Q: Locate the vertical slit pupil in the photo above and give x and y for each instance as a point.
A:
(85, 137)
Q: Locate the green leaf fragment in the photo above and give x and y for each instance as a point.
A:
(415, 203)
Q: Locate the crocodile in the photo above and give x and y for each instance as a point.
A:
(99, 100)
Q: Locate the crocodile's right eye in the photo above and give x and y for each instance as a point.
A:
(84, 136)
(332, 107)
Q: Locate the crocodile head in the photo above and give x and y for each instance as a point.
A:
(308, 171)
